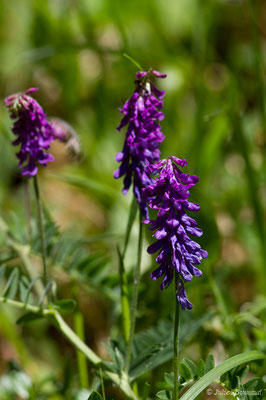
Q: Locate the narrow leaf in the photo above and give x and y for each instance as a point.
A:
(2, 272)
(252, 384)
(95, 396)
(23, 287)
(184, 371)
(65, 305)
(153, 347)
(46, 290)
(242, 372)
(30, 287)
(29, 317)
(12, 284)
(146, 390)
(200, 368)
(190, 364)
(164, 395)
(169, 378)
(90, 185)
(209, 363)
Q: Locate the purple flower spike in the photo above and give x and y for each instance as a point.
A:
(142, 113)
(33, 131)
(169, 195)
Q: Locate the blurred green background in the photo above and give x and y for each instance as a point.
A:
(213, 52)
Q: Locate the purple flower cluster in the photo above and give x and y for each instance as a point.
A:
(142, 113)
(34, 133)
(169, 195)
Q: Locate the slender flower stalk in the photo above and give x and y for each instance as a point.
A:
(41, 228)
(177, 251)
(134, 302)
(27, 208)
(142, 114)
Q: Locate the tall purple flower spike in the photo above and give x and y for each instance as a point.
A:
(169, 195)
(143, 138)
(33, 131)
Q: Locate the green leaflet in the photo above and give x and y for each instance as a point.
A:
(95, 396)
(28, 318)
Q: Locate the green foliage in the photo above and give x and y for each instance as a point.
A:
(231, 379)
(153, 347)
(28, 317)
(214, 55)
(13, 284)
(95, 396)
(118, 357)
(65, 305)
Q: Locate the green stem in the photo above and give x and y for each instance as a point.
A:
(176, 339)
(102, 384)
(82, 362)
(75, 340)
(134, 301)
(28, 209)
(64, 328)
(121, 382)
(41, 228)
(122, 272)
(28, 307)
(131, 219)
(124, 297)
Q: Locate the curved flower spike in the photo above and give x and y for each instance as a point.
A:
(169, 195)
(142, 114)
(33, 131)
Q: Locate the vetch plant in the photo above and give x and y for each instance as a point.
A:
(160, 185)
(178, 253)
(142, 114)
(34, 135)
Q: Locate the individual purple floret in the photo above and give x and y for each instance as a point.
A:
(144, 136)
(33, 131)
(169, 195)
